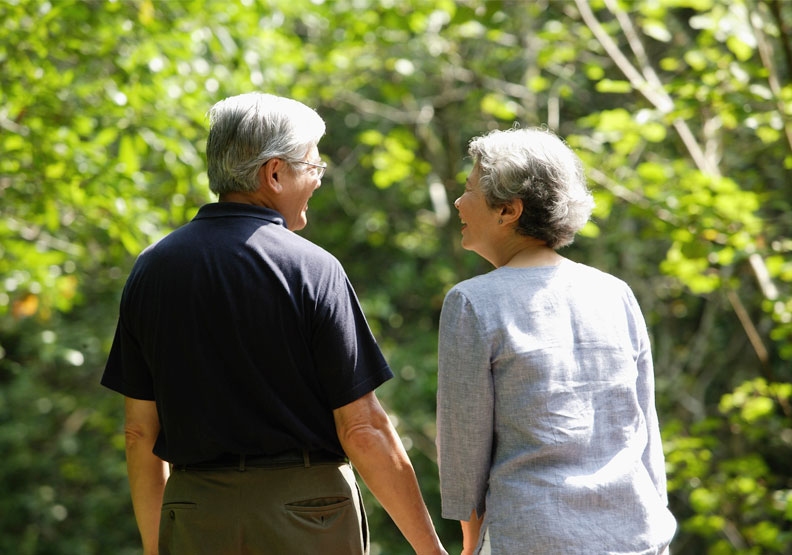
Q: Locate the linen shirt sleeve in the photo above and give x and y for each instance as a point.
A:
(653, 458)
(465, 404)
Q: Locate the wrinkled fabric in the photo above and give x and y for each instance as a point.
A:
(546, 415)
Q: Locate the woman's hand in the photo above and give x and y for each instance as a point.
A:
(470, 533)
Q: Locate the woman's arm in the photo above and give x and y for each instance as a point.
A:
(653, 457)
(470, 533)
(465, 409)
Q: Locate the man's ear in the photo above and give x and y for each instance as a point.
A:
(511, 211)
(268, 175)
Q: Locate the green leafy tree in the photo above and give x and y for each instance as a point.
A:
(680, 109)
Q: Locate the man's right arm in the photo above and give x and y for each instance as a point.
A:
(147, 472)
(375, 450)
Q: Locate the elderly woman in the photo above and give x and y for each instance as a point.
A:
(548, 437)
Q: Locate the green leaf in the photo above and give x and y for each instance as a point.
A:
(653, 132)
(498, 106)
(757, 407)
(614, 120)
(740, 49)
(594, 72)
(590, 230)
(106, 136)
(657, 30)
(703, 500)
(371, 137)
(768, 134)
(696, 59)
(538, 84)
(652, 171)
(130, 243)
(55, 171)
(128, 155)
(613, 86)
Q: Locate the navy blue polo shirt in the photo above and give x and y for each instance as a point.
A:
(245, 334)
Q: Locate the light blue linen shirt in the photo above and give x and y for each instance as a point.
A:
(546, 415)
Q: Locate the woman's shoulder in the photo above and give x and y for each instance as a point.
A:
(588, 285)
(568, 276)
(595, 278)
(476, 287)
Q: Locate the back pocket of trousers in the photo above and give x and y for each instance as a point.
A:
(320, 512)
(171, 510)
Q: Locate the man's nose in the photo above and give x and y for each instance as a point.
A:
(456, 203)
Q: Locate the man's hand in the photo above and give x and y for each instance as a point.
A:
(375, 450)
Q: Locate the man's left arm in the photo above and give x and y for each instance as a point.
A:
(147, 472)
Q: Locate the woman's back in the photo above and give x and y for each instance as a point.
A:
(574, 461)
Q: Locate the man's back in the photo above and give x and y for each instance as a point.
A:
(239, 323)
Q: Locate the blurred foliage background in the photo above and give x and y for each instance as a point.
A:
(681, 110)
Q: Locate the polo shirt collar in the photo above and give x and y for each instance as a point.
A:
(236, 209)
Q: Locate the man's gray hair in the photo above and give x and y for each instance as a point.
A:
(247, 130)
(537, 167)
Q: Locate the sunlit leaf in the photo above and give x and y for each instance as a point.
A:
(739, 48)
(497, 106)
(612, 86)
(128, 156)
(756, 408)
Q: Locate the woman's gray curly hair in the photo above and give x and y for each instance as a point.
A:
(537, 167)
(249, 129)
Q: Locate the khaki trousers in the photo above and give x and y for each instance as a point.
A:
(290, 511)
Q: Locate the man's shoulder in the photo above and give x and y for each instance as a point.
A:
(261, 234)
(296, 258)
(292, 247)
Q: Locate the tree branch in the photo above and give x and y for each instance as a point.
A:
(766, 55)
(635, 44)
(658, 99)
(653, 92)
(372, 107)
(750, 329)
(657, 95)
(775, 9)
(632, 197)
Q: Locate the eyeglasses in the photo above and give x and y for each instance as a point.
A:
(319, 169)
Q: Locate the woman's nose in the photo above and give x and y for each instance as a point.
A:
(456, 203)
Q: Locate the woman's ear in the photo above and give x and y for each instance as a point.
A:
(511, 211)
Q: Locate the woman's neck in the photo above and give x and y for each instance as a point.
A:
(527, 252)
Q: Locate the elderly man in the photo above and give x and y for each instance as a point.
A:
(246, 363)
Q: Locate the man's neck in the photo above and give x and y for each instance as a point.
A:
(243, 197)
